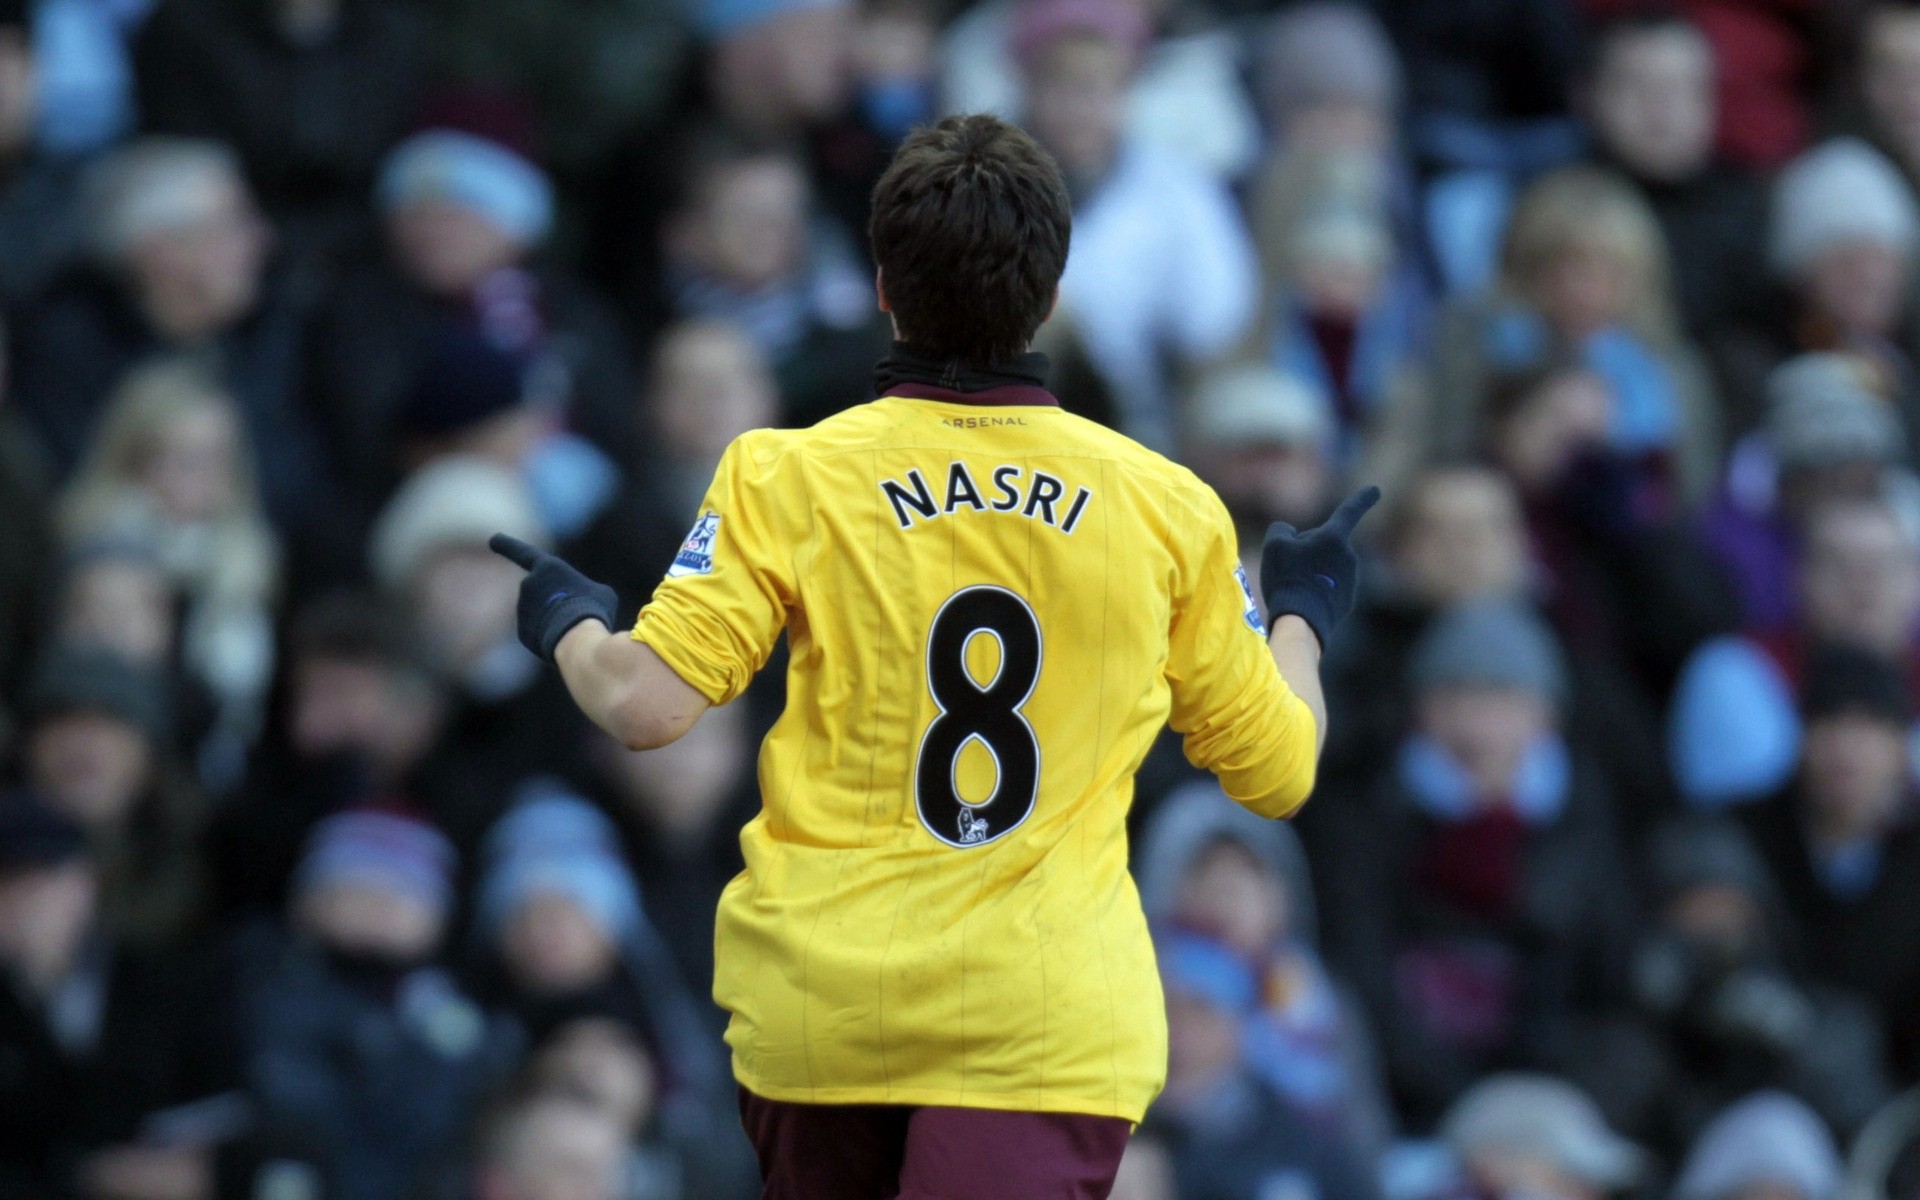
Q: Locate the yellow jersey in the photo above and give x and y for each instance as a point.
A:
(991, 612)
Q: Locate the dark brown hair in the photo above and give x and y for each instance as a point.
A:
(970, 227)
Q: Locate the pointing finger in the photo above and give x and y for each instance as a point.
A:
(514, 550)
(1352, 509)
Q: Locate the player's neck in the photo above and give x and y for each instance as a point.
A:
(908, 372)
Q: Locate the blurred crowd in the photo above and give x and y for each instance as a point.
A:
(314, 886)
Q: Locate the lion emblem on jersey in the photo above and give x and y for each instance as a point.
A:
(973, 829)
(696, 553)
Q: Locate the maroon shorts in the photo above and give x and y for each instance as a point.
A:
(892, 1152)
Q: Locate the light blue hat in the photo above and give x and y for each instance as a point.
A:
(472, 172)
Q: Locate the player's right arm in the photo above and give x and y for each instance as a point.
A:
(622, 686)
(710, 626)
(626, 688)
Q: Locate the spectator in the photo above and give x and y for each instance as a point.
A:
(170, 467)
(179, 264)
(1488, 98)
(707, 385)
(1211, 868)
(1330, 79)
(598, 74)
(896, 72)
(1830, 435)
(115, 594)
(549, 1147)
(1229, 1135)
(564, 935)
(1841, 246)
(685, 804)
(748, 247)
(1519, 1135)
(1766, 1145)
(476, 396)
(95, 747)
(1263, 439)
(1161, 275)
(508, 719)
(1620, 576)
(559, 915)
(1460, 534)
(604, 1064)
(1345, 307)
(464, 210)
(40, 228)
(1472, 891)
(87, 100)
(1650, 100)
(777, 68)
(356, 1043)
(1186, 98)
(365, 705)
(1734, 730)
(1454, 534)
(1584, 277)
(1840, 837)
(1721, 1006)
(309, 93)
(101, 1042)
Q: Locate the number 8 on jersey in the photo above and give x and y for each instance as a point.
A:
(988, 712)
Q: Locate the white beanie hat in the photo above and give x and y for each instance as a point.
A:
(1767, 1138)
(457, 500)
(1842, 190)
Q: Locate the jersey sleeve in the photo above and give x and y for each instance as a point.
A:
(1239, 718)
(716, 616)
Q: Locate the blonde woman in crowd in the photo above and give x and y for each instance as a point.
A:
(1584, 278)
(171, 467)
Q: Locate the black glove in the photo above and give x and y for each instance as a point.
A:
(553, 597)
(1313, 574)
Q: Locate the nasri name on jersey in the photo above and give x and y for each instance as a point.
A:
(1037, 496)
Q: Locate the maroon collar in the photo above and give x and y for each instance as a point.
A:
(1005, 396)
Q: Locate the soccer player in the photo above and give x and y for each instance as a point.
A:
(939, 975)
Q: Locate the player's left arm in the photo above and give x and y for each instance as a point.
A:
(1258, 729)
(1296, 651)
(623, 686)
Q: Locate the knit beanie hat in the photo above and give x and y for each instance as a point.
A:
(1317, 53)
(555, 843)
(474, 151)
(84, 679)
(1840, 191)
(546, 818)
(1688, 854)
(1547, 1117)
(1845, 680)
(1491, 643)
(1828, 408)
(459, 500)
(1768, 1138)
(1039, 24)
(1255, 404)
(385, 850)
